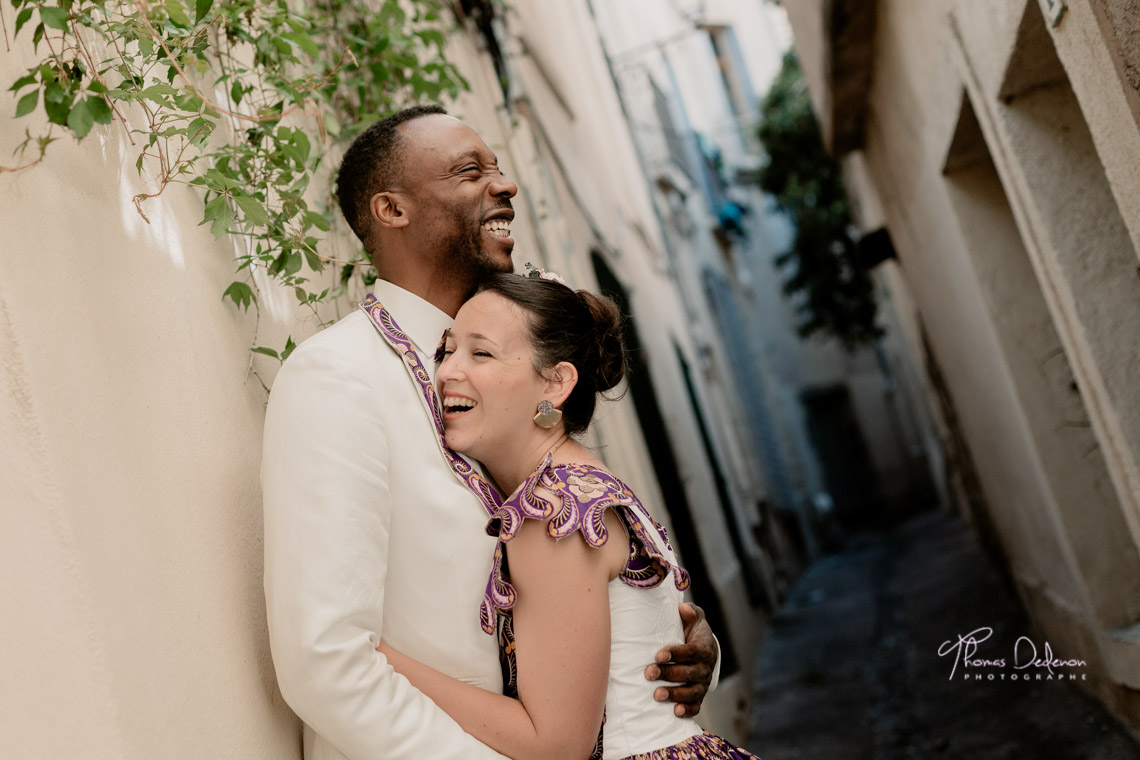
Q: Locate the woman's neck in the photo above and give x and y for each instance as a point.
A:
(510, 466)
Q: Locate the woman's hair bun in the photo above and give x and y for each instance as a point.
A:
(565, 325)
(610, 367)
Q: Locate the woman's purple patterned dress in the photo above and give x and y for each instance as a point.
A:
(643, 609)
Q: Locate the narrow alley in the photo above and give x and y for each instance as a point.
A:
(851, 669)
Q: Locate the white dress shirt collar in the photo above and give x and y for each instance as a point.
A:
(420, 320)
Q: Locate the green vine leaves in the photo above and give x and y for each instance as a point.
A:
(243, 99)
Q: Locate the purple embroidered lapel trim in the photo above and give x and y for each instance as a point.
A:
(402, 345)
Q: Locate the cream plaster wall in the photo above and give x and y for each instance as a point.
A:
(808, 27)
(130, 532)
(1103, 78)
(903, 155)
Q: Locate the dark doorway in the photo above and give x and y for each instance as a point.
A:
(842, 453)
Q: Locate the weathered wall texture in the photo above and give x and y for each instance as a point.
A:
(1003, 149)
(1120, 20)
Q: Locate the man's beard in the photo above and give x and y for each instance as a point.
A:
(470, 257)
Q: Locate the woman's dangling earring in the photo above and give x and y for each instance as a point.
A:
(547, 416)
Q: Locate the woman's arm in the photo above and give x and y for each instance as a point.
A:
(562, 637)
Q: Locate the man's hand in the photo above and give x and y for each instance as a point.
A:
(690, 664)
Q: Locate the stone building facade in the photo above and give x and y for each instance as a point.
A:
(999, 144)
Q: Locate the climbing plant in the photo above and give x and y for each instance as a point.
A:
(242, 99)
(833, 291)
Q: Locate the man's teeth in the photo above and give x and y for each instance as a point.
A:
(500, 227)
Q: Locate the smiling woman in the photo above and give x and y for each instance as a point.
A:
(578, 620)
(488, 380)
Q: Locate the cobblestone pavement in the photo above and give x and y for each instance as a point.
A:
(850, 668)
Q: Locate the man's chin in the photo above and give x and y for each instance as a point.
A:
(499, 262)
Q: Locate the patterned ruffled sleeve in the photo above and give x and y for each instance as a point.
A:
(579, 498)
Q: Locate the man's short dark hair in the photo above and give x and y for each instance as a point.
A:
(372, 164)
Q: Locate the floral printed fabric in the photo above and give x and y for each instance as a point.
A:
(581, 496)
(704, 746)
(400, 342)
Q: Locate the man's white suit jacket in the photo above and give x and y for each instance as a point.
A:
(368, 534)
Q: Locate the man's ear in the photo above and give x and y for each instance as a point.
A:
(560, 381)
(389, 209)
